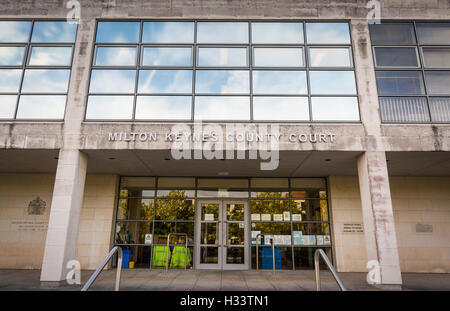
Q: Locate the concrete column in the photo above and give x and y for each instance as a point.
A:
(378, 217)
(62, 233)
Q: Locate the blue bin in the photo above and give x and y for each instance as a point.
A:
(267, 262)
(126, 258)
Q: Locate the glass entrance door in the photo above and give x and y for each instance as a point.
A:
(222, 235)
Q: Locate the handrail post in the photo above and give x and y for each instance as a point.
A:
(185, 250)
(273, 254)
(317, 255)
(258, 236)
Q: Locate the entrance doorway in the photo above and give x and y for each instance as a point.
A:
(222, 235)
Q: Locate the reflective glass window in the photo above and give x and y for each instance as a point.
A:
(440, 109)
(7, 106)
(222, 32)
(115, 56)
(433, 33)
(436, 57)
(109, 107)
(328, 33)
(51, 56)
(222, 82)
(332, 82)
(281, 108)
(222, 57)
(330, 57)
(163, 107)
(222, 108)
(277, 33)
(167, 56)
(11, 55)
(112, 81)
(438, 82)
(45, 107)
(118, 32)
(335, 108)
(46, 80)
(392, 34)
(14, 31)
(279, 82)
(165, 81)
(168, 32)
(396, 57)
(404, 109)
(51, 31)
(10, 80)
(400, 83)
(278, 57)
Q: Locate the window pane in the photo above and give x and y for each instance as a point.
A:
(393, 33)
(279, 82)
(11, 55)
(283, 33)
(335, 109)
(440, 109)
(400, 82)
(330, 57)
(436, 57)
(7, 106)
(41, 107)
(396, 57)
(280, 108)
(164, 107)
(179, 207)
(404, 109)
(278, 57)
(165, 81)
(115, 56)
(168, 32)
(135, 208)
(309, 210)
(222, 108)
(328, 33)
(222, 82)
(438, 82)
(433, 33)
(222, 32)
(10, 80)
(332, 82)
(118, 32)
(54, 32)
(14, 31)
(155, 56)
(46, 80)
(112, 81)
(110, 107)
(218, 57)
(51, 56)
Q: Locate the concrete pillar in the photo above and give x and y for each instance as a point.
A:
(378, 217)
(62, 233)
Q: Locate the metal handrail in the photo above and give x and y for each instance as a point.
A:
(317, 255)
(185, 250)
(97, 272)
(257, 252)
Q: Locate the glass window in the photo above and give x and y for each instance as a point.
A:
(43, 107)
(168, 32)
(400, 83)
(330, 57)
(277, 33)
(165, 81)
(438, 82)
(162, 230)
(118, 32)
(332, 82)
(112, 81)
(177, 182)
(10, 80)
(167, 56)
(115, 56)
(335, 108)
(179, 207)
(440, 109)
(436, 57)
(279, 82)
(404, 109)
(281, 108)
(164, 107)
(222, 32)
(46, 80)
(44, 31)
(135, 209)
(392, 33)
(328, 33)
(109, 107)
(222, 82)
(222, 57)
(14, 31)
(51, 56)
(11, 55)
(222, 108)
(396, 57)
(309, 210)
(433, 33)
(278, 57)
(7, 106)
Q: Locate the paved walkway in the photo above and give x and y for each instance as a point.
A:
(201, 280)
